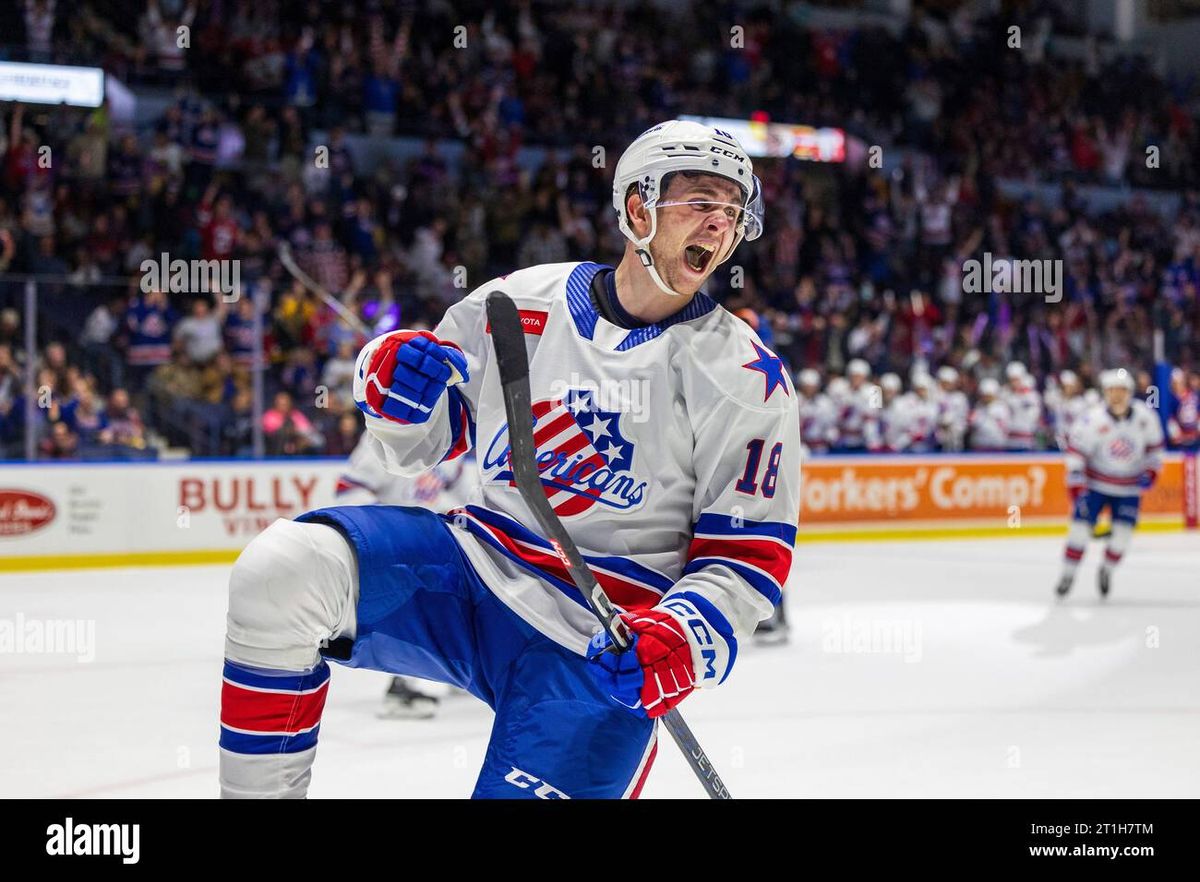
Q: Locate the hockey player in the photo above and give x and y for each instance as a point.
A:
(1069, 405)
(445, 486)
(989, 418)
(1024, 407)
(858, 428)
(953, 410)
(668, 443)
(818, 414)
(1183, 424)
(892, 432)
(1114, 456)
(922, 414)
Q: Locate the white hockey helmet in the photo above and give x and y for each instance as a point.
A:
(683, 145)
(890, 382)
(1068, 378)
(922, 382)
(809, 377)
(1116, 377)
(838, 388)
(1015, 372)
(858, 368)
(989, 387)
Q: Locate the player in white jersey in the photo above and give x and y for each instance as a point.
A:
(954, 410)
(1114, 456)
(893, 418)
(1068, 406)
(1024, 407)
(858, 423)
(447, 485)
(989, 418)
(668, 442)
(818, 414)
(923, 414)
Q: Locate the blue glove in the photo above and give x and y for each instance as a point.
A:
(406, 374)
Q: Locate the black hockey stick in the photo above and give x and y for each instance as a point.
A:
(508, 338)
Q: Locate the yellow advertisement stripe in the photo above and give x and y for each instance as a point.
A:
(31, 562)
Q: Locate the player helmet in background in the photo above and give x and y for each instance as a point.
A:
(1116, 378)
(683, 145)
(947, 375)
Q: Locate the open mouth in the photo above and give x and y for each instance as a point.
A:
(698, 255)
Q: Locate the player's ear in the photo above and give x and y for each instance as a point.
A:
(636, 211)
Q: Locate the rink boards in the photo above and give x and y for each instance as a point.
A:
(63, 515)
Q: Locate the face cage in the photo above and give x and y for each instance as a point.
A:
(749, 222)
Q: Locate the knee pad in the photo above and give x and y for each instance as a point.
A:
(293, 587)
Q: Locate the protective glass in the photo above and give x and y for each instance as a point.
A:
(748, 218)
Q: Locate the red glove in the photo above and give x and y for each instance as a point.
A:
(669, 641)
(653, 676)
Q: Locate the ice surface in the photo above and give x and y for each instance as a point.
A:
(914, 669)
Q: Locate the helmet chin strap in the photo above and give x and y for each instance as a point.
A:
(642, 249)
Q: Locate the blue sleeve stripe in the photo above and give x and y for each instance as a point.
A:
(714, 524)
(277, 681)
(246, 742)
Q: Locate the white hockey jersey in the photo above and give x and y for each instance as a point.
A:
(858, 422)
(671, 452)
(909, 424)
(894, 424)
(818, 422)
(365, 481)
(989, 425)
(1112, 454)
(1065, 412)
(1024, 417)
(954, 410)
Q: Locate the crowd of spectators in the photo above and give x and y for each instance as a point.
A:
(857, 263)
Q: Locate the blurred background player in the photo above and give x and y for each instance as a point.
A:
(954, 410)
(891, 424)
(447, 485)
(1183, 423)
(1024, 407)
(1066, 406)
(1114, 456)
(818, 414)
(922, 413)
(989, 418)
(858, 427)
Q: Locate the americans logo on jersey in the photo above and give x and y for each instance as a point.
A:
(582, 456)
(1120, 448)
